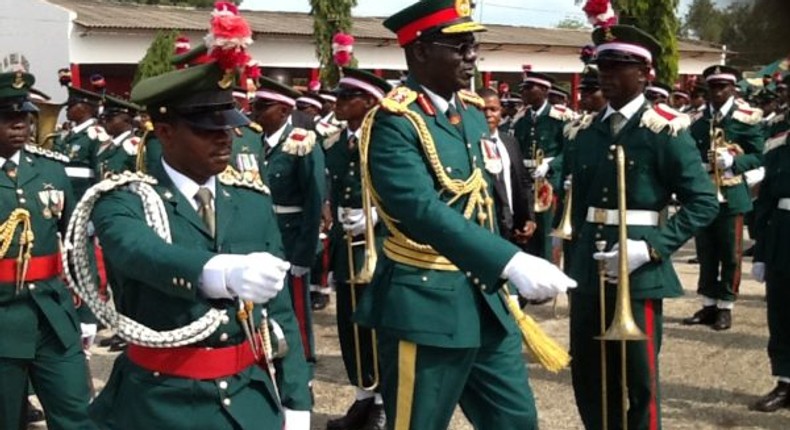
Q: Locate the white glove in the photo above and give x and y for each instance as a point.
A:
(261, 280)
(758, 271)
(213, 278)
(355, 222)
(536, 278)
(541, 171)
(566, 185)
(299, 271)
(296, 420)
(724, 159)
(88, 330)
(638, 256)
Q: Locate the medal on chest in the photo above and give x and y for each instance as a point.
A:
(491, 157)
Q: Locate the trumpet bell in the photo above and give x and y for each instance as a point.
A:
(564, 231)
(47, 122)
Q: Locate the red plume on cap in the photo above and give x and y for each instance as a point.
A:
(314, 86)
(182, 45)
(343, 49)
(600, 13)
(98, 82)
(228, 39)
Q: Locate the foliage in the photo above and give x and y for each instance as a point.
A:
(157, 58)
(658, 18)
(329, 18)
(571, 24)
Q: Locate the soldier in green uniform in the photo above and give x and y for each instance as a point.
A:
(40, 338)
(444, 333)
(294, 170)
(719, 245)
(771, 262)
(225, 259)
(658, 92)
(120, 153)
(781, 121)
(660, 160)
(358, 93)
(558, 96)
(539, 131)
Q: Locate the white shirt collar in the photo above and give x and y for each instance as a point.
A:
(274, 139)
(357, 133)
(725, 108)
(121, 137)
(187, 186)
(438, 101)
(495, 135)
(628, 111)
(15, 158)
(542, 108)
(83, 126)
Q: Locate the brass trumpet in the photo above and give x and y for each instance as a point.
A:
(363, 277)
(543, 192)
(623, 327)
(564, 230)
(718, 142)
(47, 122)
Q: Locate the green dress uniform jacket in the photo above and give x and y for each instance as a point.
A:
(166, 296)
(40, 335)
(118, 156)
(82, 149)
(441, 323)
(772, 230)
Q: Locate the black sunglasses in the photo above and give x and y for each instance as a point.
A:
(462, 49)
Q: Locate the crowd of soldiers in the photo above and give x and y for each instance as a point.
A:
(225, 212)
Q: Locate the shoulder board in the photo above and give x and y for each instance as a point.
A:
(520, 114)
(97, 132)
(327, 129)
(254, 126)
(131, 145)
(248, 179)
(777, 119)
(47, 153)
(300, 142)
(775, 142)
(696, 115)
(747, 114)
(332, 140)
(572, 128)
(471, 98)
(660, 116)
(398, 100)
(562, 113)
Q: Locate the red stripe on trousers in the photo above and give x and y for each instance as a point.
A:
(301, 318)
(736, 277)
(325, 264)
(650, 329)
(101, 269)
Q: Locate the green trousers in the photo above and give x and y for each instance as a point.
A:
(642, 375)
(540, 243)
(778, 296)
(719, 249)
(421, 385)
(300, 300)
(59, 378)
(345, 332)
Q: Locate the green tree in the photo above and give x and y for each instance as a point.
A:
(703, 21)
(658, 18)
(157, 58)
(571, 24)
(329, 18)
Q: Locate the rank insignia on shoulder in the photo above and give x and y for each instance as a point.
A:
(471, 98)
(398, 100)
(662, 116)
(775, 142)
(331, 140)
(747, 114)
(562, 113)
(777, 119)
(254, 126)
(131, 145)
(234, 178)
(96, 132)
(572, 128)
(47, 153)
(300, 142)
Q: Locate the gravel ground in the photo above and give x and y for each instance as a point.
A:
(707, 378)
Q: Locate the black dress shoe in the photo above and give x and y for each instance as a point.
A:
(34, 415)
(377, 420)
(318, 300)
(356, 416)
(777, 399)
(705, 316)
(749, 252)
(723, 320)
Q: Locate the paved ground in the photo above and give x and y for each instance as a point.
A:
(707, 378)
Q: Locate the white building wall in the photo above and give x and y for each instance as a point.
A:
(39, 31)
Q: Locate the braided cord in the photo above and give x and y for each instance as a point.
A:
(84, 283)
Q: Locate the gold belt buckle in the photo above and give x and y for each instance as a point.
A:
(599, 216)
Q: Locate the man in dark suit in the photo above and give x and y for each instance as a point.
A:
(514, 200)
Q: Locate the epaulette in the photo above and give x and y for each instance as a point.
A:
(398, 100)
(521, 113)
(97, 132)
(747, 114)
(696, 115)
(572, 128)
(254, 126)
(300, 142)
(234, 178)
(775, 142)
(562, 113)
(327, 129)
(131, 145)
(471, 98)
(47, 153)
(777, 119)
(331, 140)
(661, 116)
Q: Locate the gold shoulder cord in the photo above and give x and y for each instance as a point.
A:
(7, 230)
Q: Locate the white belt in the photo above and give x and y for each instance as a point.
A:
(531, 164)
(284, 210)
(612, 217)
(784, 204)
(80, 172)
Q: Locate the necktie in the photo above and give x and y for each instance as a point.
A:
(617, 122)
(454, 117)
(205, 209)
(717, 118)
(10, 170)
(352, 143)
